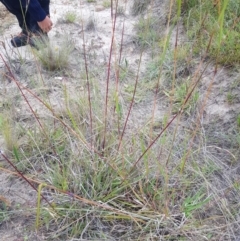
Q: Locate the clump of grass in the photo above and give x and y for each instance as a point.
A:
(8, 132)
(147, 33)
(142, 196)
(112, 175)
(230, 97)
(54, 57)
(139, 6)
(79, 173)
(171, 65)
(107, 3)
(70, 17)
(215, 28)
(228, 51)
(178, 96)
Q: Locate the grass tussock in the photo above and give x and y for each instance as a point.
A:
(119, 152)
(8, 132)
(214, 26)
(75, 160)
(147, 32)
(70, 17)
(54, 57)
(107, 3)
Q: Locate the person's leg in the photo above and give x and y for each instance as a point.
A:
(39, 38)
(23, 18)
(19, 11)
(28, 25)
(33, 25)
(45, 6)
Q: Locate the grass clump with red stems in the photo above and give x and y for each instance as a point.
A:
(109, 165)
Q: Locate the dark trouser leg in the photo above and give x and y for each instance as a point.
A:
(19, 11)
(33, 25)
(42, 39)
(16, 9)
(45, 5)
(25, 20)
(28, 24)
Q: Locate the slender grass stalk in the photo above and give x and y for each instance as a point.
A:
(131, 103)
(39, 205)
(117, 106)
(173, 88)
(12, 77)
(108, 76)
(183, 163)
(163, 56)
(24, 96)
(22, 87)
(179, 6)
(88, 87)
(221, 20)
(24, 178)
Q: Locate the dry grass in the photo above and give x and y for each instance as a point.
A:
(139, 6)
(54, 57)
(117, 166)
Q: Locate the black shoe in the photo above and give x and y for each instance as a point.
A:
(35, 40)
(20, 40)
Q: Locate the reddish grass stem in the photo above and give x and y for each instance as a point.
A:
(26, 179)
(131, 104)
(88, 87)
(108, 79)
(168, 124)
(25, 98)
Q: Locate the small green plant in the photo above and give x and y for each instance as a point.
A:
(70, 17)
(195, 202)
(230, 98)
(147, 33)
(125, 71)
(107, 3)
(178, 96)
